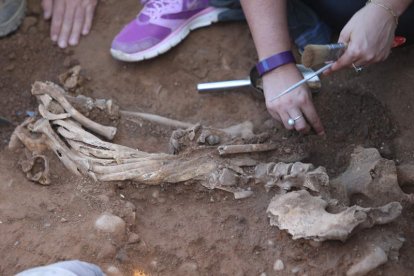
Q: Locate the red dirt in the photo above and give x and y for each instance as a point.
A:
(186, 225)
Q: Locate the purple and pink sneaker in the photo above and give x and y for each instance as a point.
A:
(161, 25)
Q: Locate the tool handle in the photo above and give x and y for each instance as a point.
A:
(222, 85)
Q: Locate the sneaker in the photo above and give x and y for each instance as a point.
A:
(161, 25)
(11, 15)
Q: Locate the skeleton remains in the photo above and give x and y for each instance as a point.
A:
(307, 203)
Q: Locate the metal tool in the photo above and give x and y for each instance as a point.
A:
(299, 83)
(254, 80)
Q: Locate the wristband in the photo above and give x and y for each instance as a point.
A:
(274, 62)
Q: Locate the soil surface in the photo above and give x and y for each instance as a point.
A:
(186, 229)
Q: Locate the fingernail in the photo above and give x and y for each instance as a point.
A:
(62, 44)
(73, 41)
(54, 38)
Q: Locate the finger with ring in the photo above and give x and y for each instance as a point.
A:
(292, 121)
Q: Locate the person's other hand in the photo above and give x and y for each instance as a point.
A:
(292, 105)
(70, 19)
(369, 35)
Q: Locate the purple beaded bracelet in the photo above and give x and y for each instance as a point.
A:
(274, 62)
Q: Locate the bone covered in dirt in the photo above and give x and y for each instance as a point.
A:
(305, 216)
(372, 177)
(308, 205)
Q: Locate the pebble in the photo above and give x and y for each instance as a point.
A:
(133, 238)
(63, 220)
(28, 23)
(295, 270)
(108, 251)
(111, 224)
(9, 67)
(155, 194)
(113, 271)
(122, 256)
(189, 268)
(278, 265)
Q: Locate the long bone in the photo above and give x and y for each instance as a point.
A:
(57, 93)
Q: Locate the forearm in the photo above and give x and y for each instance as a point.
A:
(267, 20)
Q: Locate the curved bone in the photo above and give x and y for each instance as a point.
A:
(41, 177)
(51, 116)
(57, 93)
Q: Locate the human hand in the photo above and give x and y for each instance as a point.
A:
(292, 105)
(369, 35)
(70, 19)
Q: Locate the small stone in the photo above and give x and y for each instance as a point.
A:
(315, 243)
(107, 251)
(295, 270)
(122, 256)
(113, 271)
(188, 269)
(133, 238)
(111, 224)
(154, 264)
(263, 274)
(63, 220)
(155, 194)
(9, 67)
(278, 265)
(28, 23)
(213, 140)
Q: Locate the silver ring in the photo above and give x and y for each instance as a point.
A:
(357, 68)
(292, 121)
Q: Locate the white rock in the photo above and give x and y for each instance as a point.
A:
(111, 224)
(113, 271)
(278, 265)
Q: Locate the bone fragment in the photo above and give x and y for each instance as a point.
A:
(372, 176)
(304, 216)
(371, 261)
(70, 159)
(292, 175)
(42, 176)
(157, 119)
(249, 148)
(51, 116)
(57, 93)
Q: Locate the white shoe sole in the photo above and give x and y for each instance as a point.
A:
(172, 40)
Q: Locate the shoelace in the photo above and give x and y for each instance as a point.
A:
(155, 8)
